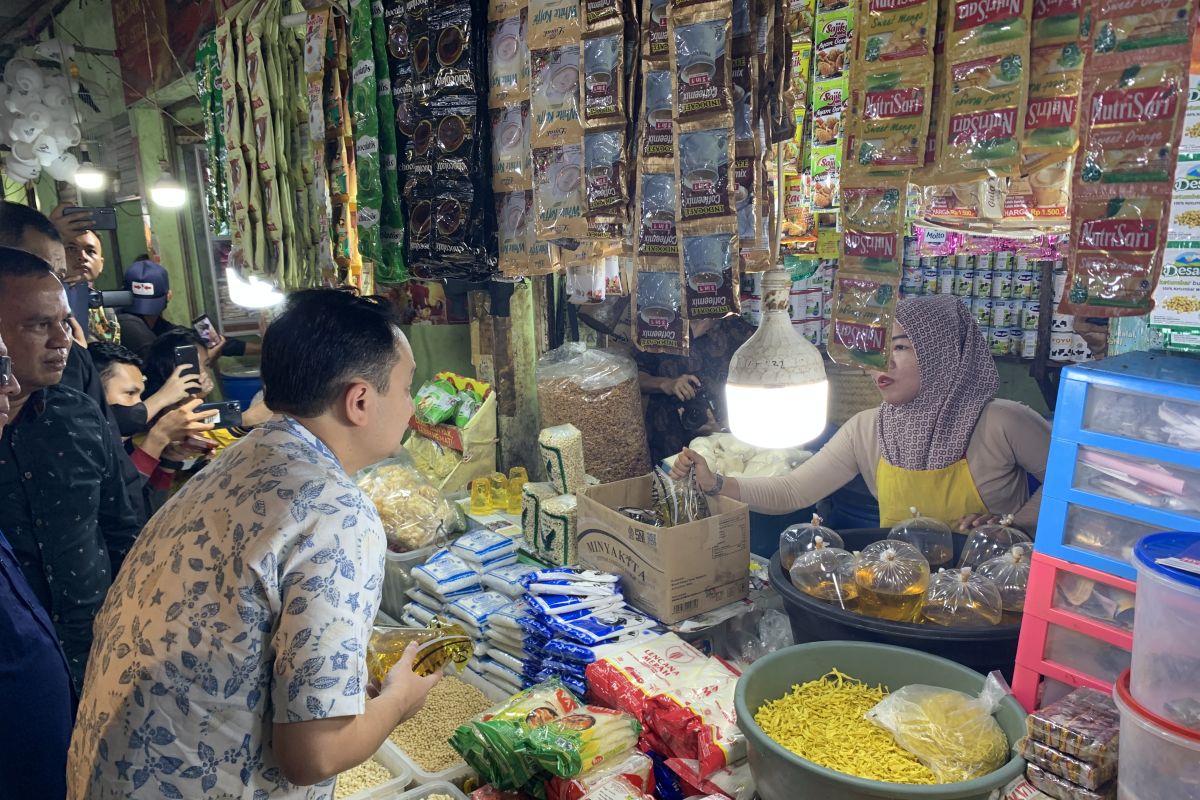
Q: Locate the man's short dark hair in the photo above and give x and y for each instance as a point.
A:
(106, 356)
(16, 263)
(159, 364)
(16, 218)
(324, 339)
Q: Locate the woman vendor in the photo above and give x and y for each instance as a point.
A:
(940, 440)
(686, 394)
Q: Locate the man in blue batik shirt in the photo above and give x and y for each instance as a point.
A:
(35, 682)
(230, 654)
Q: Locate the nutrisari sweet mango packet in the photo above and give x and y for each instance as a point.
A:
(864, 307)
(873, 224)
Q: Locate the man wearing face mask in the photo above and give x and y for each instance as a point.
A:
(153, 454)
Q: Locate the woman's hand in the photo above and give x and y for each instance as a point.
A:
(690, 460)
(407, 688)
(972, 521)
(683, 388)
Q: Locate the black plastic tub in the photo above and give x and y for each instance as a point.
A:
(980, 649)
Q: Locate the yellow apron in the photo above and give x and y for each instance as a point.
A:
(948, 494)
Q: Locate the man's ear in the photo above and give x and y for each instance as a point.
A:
(170, 294)
(356, 403)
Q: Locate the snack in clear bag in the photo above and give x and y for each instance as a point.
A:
(796, 540)
(952, 733)
(583, 740)
(1084, 724)
(892, 578)
(439, 645)
(989, 541)
(414, 514)
(863, 310)
(960, 598)
(1010, 573)
(826, 573)
(659, 322)
(435, 460)
(678, 502)
(931, 536)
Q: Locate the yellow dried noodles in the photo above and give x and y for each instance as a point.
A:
(825, 721)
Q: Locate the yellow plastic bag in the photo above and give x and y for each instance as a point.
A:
(950, 732)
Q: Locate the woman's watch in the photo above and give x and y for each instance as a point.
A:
(718, 485)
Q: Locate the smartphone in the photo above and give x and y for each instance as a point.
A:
(204, 328)
(187, 356)
(104, 218)
(226, 414)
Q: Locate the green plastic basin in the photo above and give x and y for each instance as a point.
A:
(783, 775)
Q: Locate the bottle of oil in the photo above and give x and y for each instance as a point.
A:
(891, 578)
(439, 645)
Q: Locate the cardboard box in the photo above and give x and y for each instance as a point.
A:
(669, 573)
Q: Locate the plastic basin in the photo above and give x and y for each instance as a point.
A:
(1166, 629)
(981, 649)
(783, 775)
(1159, 759)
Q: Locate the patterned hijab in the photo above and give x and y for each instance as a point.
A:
(958, 378)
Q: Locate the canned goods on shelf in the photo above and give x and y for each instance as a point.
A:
(929, 280)
(1030, 314)
(1022, 287)
(964, 261)
(985, 261)
(1002, 284)
(1029, 342)
(964, 282)
(1000, 341)
(945, 280)
(981, 309)
(982, 286)
(1002, 316)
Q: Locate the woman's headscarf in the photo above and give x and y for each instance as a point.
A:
(958, 378)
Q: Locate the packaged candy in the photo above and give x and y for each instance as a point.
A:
(960, 598)
(1084, 724)
(931, 536)
(1063, 789)
(952, 733)
(892, 579)
(1075, 770)
(798, 539)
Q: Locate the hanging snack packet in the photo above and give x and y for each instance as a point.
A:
(452, 224)
(604, 171)
(1125, 27)
(656, 46)
(828, 112)
(554, 87)
(705, 175)
(602, 16)
(1132, 113)
(513, 210)
(511, 167)
(454, 122)
(710, 264)
(657, 141)
(508, 59)
(893, 119)
(701, 59)
(656, 238)
(585, 740)
(745, 174)
(1055, 83)
(896, 31)
(451, 33)
(558, 193)
(553, 23)
(863, 310)
(659, 323)
(1117, 247)
(603, 85)
(873, 224)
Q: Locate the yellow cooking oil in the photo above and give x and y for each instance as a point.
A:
(439, 645)
(840, 592)
(963, 614)
(899, 606)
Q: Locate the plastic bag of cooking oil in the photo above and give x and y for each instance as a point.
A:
(950, 732)
(437, 646)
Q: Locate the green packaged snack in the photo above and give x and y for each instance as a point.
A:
(436, 402)
(582, 741)
(468, 407)
(364, 97)
(391, 268)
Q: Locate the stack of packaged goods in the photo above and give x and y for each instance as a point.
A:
(1071, 747)
(684, 701)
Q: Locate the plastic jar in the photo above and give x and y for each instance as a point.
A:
(1159, 760)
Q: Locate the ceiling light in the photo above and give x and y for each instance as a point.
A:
(251, 292)
(777, 394)
(87, 177)
(166, 191)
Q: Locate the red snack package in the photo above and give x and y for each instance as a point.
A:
(638, 769)
(626, 680)
(699, 722)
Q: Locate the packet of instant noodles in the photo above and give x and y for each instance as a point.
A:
(583, 740)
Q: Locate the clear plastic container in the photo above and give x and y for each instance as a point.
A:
(1106, 534)
(1159, 760)
(1081, 653)
(1166, 630)
(958, 598)
(931, 536)
(1142, 481)
(988, 541)
(1143, 418)
(827, 573)
(455, 774)
(390, 759)
(799, 539)
(424, 790)
(1010, 573)
(892, 578)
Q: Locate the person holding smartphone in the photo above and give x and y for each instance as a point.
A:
(85, 263)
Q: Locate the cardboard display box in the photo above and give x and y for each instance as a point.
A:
(670, 573)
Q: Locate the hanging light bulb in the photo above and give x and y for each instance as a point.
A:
(166, 191)
(252, 292)
(777, 393)
(87, 177)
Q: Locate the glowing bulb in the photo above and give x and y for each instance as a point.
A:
(88, 178)
(168, 192)
(252, 292)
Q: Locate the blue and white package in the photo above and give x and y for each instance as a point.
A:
(564, 668)
(510, 618)
(574, 582)
(503, 673)
(499, 562)
(512, 641)
(419, 595)
(537, 628)
(508, 580)
(479, 547)
(556, 604)
(507, 659)
(475, 609)
(420, 613)
(445, 575)
(576, 685)
(565, 649)
(605, 627)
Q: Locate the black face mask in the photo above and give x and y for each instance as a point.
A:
(131, 420)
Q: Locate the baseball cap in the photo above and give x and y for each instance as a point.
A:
(149, 284)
